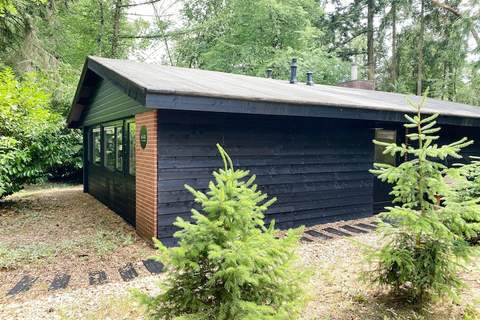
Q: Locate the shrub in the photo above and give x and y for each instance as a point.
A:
(228, 264)
(421, 252)
(33, 141)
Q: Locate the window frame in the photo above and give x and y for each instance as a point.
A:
(124, 125)
(91, 148)
(128, 123)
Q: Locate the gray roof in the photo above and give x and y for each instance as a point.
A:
(195, 82)
(159, 80)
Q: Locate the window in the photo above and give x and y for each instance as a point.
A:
(96, 147)
(109, 147)
(131, 148)
(119, 148)
(384, 136)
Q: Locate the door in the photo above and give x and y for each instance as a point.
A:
(381, 190)
(111, 166)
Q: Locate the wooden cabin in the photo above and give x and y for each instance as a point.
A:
(150, 129)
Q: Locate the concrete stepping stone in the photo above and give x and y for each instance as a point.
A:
(305, 239)
(353, 229)
(366, 226)
(154, 267)
(337, 232)
(128, 272)
(25, 284)
(97, 278)
(317, 234)
(59, 282)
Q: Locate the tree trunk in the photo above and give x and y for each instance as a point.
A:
(420, 50)
(394, 42)
(116, 27)
(101, 28)
(370, 44)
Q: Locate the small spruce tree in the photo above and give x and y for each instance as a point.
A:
(229, 265)
(421, 253)
(462, 202)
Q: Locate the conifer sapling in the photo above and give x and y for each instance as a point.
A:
(421, 251)
(228, 264)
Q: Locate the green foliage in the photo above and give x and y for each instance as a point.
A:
(463, 201)
(250, 36)
(33, 138)
(422, 252)
(229, 265)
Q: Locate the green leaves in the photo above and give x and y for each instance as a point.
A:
(425, 239)
(34, 142)
(228, 265)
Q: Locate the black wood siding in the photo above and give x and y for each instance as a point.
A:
(115, 190)
(317, 168)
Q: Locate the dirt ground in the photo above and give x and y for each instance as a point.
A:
(335, 292)
(59, 229)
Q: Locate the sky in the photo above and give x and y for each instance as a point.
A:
(165, 9)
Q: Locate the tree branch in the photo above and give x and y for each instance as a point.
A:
(457, 13)
(139, 4)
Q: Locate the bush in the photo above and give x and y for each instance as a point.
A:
(229, 265)
(34, 143)
(421, 254)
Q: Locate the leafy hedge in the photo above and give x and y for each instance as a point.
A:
(34, 143)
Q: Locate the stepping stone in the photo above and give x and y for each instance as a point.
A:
(353, 229)
(337, 232)
(128, 272)
(365, 226)
(25, 284)
(59, 282)
(317, 234)
(305, 239)
(97, 277)
(154, 267)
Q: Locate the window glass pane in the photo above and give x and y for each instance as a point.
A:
(96, 146)
(384, 136)
(109, 141)
(119, 149)
(131, 148)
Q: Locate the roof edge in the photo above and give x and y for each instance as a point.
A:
(91, 74)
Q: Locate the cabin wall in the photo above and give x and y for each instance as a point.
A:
(110, 103)
(113, 188)
(317, 168)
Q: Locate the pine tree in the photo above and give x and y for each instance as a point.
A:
(228, 264)
(420, 255)
(462, 203)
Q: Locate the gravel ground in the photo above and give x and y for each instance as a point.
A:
(334, 289)
(335, 292)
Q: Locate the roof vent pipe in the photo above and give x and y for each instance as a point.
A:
(293, 71)
(309, 78)
(354, 72)
(269, 73)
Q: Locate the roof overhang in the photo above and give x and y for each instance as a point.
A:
(93, 73)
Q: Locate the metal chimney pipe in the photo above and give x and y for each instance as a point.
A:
(293, 71)
(354, 72)
(309, 78)
(269, 73)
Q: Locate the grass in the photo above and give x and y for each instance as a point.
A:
(119, 308)
(102, 243)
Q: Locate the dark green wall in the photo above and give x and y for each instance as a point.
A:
(110, 103)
